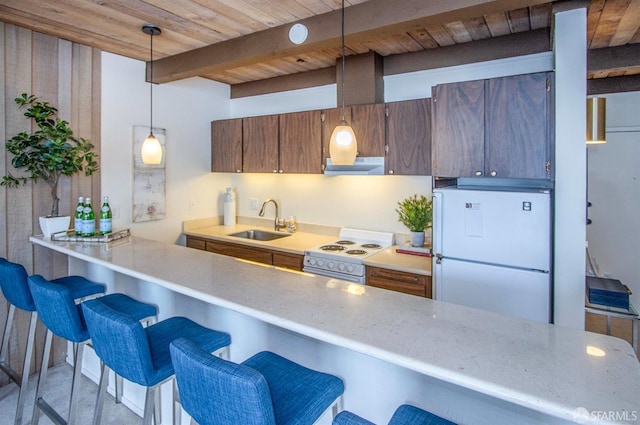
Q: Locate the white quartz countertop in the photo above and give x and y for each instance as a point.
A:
(543, 367)
(298, 242)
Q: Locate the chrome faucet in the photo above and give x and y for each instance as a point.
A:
(278, 222)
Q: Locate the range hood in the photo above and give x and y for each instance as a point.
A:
(373, 166)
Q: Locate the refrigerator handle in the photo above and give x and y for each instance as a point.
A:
(438, 258)
(437, 224)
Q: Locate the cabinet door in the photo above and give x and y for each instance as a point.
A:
(394, 280)
(409, 138)
(239, 251)
(226, 146)
(289, 261)
(301, 143)
(368, 123)
(260, 144)
(197, 243)
(458, 129)
(518, 120)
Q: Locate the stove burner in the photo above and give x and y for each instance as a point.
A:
(371, 245)
(345, 242)
(356, 252)
(332, 248)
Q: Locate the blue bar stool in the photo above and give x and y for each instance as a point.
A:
(404, 415)
(63, 317)
(13, 281)
(265, 389)
(141, 355)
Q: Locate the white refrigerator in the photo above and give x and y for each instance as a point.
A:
(492, 250)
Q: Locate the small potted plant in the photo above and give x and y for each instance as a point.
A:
(415, 213)
(48, 153)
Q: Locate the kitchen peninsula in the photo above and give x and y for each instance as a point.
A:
(468, 365)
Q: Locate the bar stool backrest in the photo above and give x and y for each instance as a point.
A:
(120, 342)
(57, 309)
(217, 391)
(13, 280)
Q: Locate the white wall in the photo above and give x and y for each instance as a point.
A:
(614, 191)
(185, 109)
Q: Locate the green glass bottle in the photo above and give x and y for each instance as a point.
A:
(77, 217)
(105, 217)
(88, 219)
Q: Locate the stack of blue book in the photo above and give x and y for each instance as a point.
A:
(609, 292)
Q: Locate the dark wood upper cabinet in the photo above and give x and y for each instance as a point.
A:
(260, 144)
(409, 138)
(368, 123)
(226, 146)
(458, 129)
(501, 127)
(301, 142)
(518, 126)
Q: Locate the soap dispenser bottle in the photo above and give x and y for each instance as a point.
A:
(229, 208)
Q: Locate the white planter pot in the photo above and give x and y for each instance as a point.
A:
(51, 225)
(417, 238)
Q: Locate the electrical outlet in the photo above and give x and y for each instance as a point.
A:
(115, 211)
(253, 203)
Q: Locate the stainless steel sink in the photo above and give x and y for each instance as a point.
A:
(259, 235)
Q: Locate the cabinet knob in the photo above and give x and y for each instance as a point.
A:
(238, 171)
(478, 173)
(280, 171)
(275, 171)
(493, 173)
(390, 171)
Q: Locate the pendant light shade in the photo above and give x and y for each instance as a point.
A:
(596, 120)
(343, 146)
(151, 151)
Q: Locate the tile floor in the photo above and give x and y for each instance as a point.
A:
(57, 395)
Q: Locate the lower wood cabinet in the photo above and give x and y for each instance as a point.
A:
(260, 255)
(394, 280)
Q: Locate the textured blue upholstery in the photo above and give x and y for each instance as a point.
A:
(266, 389)
(58, 311)
(347, 418)
(404, 415)
(139, 354)
(13, 280)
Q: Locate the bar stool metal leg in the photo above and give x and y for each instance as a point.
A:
(40, 403)
(21, 380)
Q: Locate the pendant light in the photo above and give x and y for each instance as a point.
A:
(596, 120)
(151, 149)
(343, 146)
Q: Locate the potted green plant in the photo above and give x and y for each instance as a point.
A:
(48, 153)
(415, 212)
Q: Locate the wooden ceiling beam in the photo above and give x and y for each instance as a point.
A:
(611, 59)
(506, 46)
(613, 85)
(379, 18)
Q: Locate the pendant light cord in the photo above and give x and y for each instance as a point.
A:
(151, 86)
(342, 78)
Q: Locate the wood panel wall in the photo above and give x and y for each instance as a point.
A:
(67, 75)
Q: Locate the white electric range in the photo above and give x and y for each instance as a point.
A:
(342, 259)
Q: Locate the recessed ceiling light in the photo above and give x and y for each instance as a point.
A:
(298, 33)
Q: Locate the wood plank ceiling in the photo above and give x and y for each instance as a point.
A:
(114, 26)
